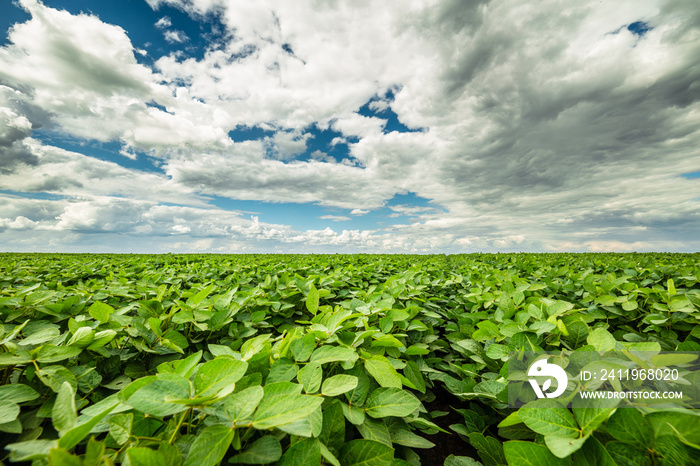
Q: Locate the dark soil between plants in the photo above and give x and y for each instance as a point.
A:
(445, 444)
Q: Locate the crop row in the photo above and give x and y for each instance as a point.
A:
(362, 359)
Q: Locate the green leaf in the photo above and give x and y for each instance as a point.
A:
(625, 454)
(220, 350)
(310, 376)
(64, 415)
(338, 384)
(549, 417)
(328, 353)
(8, 411)
(253, 346)
(593, 413)
(303, 347)
(414, 376)
(12, 427)
(142, 456)
(264, 450)
(490, 450)
(671, 287)
(675, 423)
(353, 414)
(240, 406)
(185, 367)
(101, 339)
(312, 300)
(384, 402)
(453, 460)
(19, 356)
(375, 429)
(30, 450)
(100, 311)
(217, 374)
(522, 453)
(309, 426)
(210, 446)
(629, 426)
(50, 353)
(497, 351)
(408, 439)
(383, 372)
(358, 395)
(562, 447)
(328, 455)
(151, 398)
(282, 370)
(593, 453)
(366, 453)
(601, 340)
(75, 435)
(17, 393)
(303, 453)
(333, 427)
(54, 376)
(578, 333)
(671, 359)
(80, 339)
(120, 427)
(277, 410)
(61, 457)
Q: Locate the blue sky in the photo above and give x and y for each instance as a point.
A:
(221, 126)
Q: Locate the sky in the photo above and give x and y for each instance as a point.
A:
(314, 126)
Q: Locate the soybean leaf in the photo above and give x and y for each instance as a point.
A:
(629, 426)
(328, 353)
(100, 311)
(530, 454)
(338, 384)
(303, 347)
(240, 406)
(384, 402)
(594, 413)
(312, 300)
(142, 456)
(120, 427)
(8, 411)
(210, 446)
(383, 372)
(75, 435)
(366, 453)
(601, 340)
(64, 415)
(62, 457)
(375, 429)
(310, 377)
(217, 374)
(275, 410)
(549, 417)
(264, 450)
(303, 453)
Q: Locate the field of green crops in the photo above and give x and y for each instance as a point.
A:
(330, 359)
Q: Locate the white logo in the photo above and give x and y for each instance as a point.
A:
(542, 368)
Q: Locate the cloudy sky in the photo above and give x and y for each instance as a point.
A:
(349, 126)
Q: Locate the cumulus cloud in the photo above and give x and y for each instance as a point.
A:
(335, 218)
(571, 139)
(359, 212)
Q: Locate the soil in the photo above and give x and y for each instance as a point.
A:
(445, 444)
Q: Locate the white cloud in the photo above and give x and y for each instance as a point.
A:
(174, 36)
(164, 22)
(571, 138)
(359, 212)
(335, 218)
